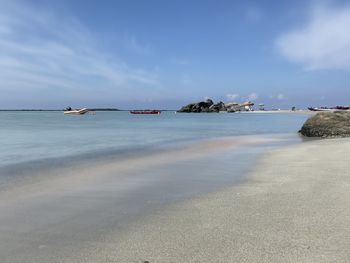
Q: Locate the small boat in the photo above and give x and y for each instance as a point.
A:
(320, 109)
(145, 111)
(75, 112)
(341, 108)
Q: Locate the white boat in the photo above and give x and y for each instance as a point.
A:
(77, 111)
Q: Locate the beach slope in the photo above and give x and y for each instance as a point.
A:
(295, 207)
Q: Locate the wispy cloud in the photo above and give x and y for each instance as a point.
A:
(323, 42)
(39, 50)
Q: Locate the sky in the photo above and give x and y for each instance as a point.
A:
(164, 54)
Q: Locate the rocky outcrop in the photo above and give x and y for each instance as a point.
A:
(204, 106)
(220, 106)
(327, 125)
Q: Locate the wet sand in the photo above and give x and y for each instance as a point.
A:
(294, 208)
(66, 213)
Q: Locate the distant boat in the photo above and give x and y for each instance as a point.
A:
(320, 109)
(75, 112)
(336, 108)
(341, 108)
(145, 111)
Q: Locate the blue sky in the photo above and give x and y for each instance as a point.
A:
(163, 54)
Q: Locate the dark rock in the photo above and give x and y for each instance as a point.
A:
(327, 125)
(220, 106)
(202, 106)
(203, 109)
(209, 102)
(187, 108)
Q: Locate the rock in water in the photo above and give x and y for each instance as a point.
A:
(202, 106)
(220, 106)
(327, 125)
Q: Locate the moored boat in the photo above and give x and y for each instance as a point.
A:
(69, 111)
(341, 108)
(145, 111)
(320, 109)
(336, 108)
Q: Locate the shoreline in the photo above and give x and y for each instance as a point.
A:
(294, 207)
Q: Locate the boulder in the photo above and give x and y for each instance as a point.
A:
(202, 106)
(187, 108)
(220, 106)
(209, 102)
(327, 125)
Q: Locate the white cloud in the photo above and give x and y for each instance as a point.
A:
(232, 96)
(41, 51)
(322, 43)
(253, 96)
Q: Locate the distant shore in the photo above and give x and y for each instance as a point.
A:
(281, 111)
(294, 208)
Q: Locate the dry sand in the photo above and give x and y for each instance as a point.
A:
(294, 208)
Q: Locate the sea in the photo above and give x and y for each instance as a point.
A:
(42, 135)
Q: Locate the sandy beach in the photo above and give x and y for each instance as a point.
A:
(307, 112)
(295, 207)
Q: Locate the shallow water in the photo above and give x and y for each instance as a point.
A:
(32, 136)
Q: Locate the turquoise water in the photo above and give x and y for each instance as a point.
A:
(33, 136)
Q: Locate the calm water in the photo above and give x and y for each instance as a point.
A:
(33, 136)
